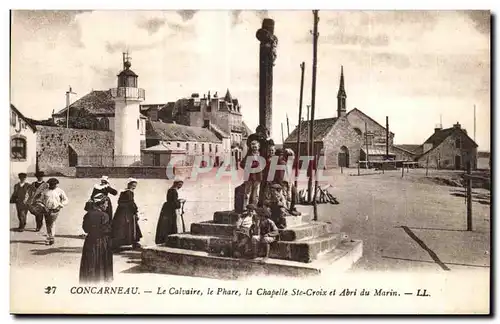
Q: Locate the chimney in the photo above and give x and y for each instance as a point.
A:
(457, 125)
(437, 128)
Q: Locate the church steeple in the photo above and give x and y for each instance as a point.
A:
(341, 95)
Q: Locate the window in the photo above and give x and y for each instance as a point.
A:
(178, 144)
(202, 148)
(209, 106)
(18, 148)
(195, 146)
(216, 148)
(210, 148)
(457, 143)
(13, 118)
(138, 124)
(206, 123)
(187, 146)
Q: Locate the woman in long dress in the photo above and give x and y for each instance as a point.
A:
(167, 223)
(97, 255)
(126, 229)
(104, 188)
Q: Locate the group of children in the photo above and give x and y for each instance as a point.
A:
(254, 230)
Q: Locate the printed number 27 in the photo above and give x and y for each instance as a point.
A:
(50, 290)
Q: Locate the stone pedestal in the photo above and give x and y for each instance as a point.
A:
(305, 247)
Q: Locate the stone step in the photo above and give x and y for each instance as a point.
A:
(291, 233)
(161, 259)
(230, 217)
(304, 250)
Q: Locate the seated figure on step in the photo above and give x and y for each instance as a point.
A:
(276, 202)
(266, 233)
(243, 232)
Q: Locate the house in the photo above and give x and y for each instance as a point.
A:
(449, 148)
(165, 141)
(95, 110)
(22, 143)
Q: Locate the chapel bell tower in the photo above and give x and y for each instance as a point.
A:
(127, 97)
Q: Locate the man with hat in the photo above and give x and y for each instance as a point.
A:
(53, 200)
(19, 197)
(34, 193)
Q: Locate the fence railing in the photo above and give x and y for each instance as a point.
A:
(152, 160)
(128, 92)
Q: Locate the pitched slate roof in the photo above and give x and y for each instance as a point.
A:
(377, 151)
(214, 128)
(176, 132)
(440, 135)
(95, 102)
(320, 130)
(246, 130)
(410, 148)
(28, 121)
(83, 149)
(162, 148)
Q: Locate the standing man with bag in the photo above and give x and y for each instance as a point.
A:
(34, 193)
(19, 197)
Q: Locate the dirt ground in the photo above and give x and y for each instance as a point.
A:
(386, 211)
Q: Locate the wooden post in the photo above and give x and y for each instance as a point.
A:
(402, 170)
(359, 162)
(341, 169)
(427, 166)
(366, 142)
(469, 197)
(282, 136)
(302, 66)
(313, 98)
(287, 126)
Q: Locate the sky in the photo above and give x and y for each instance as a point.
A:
(412, 66)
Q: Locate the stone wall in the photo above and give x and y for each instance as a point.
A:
(342, 134)
(357, 120)
(53, 147)
(150, 172)
(402, 155)
(443, 157)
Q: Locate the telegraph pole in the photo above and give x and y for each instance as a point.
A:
(302, 66)
(287, 126)
(282, 137)
(474, 123)
(313, 100)
(68, 94)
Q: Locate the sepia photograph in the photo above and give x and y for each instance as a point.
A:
(250, 162)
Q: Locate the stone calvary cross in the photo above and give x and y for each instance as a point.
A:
(267, 57)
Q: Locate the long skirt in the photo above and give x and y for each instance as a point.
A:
(126, 230)
(167, 223)
(97, 260)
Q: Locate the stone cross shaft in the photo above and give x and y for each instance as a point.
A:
(267, 56)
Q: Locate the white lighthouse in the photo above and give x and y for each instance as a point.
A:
(127, 97)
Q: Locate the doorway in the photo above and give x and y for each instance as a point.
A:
(343, 157)
(458, 162)
(72, 157)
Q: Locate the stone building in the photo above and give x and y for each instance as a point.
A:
(449, 148)
(212, 111)
(22, 143)
(166, 140)
(343, 139)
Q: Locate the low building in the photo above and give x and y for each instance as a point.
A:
(167, 140)
(22, 143)
(449, 148)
